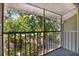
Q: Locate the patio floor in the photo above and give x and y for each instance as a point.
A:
(61, 52)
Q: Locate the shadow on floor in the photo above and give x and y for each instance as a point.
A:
(61, 52)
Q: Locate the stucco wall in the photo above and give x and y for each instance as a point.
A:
(70, 34)
(71, 24)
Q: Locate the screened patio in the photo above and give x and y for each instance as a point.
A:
(40, 29)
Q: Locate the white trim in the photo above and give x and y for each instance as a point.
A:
(69, 14)
(69, 31)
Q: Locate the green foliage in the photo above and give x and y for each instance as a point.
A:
(52, 24)
(24, 22)
(16, 21)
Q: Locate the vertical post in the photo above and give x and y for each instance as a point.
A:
(2, 29)
(44, 31)
(77, 30)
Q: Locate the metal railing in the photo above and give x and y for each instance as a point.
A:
(31, 43)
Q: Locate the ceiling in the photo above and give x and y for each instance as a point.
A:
(64, 9)
(67, 10)
(59, 8)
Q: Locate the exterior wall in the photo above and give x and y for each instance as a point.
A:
(70, 34)
(71, 24)
(0, 29)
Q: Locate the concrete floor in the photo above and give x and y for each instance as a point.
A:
(61, 52)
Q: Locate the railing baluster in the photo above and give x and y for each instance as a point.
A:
(15, 43)
(55, 39)
(8, 45)
(25, 44)
(34, 43)
(52, 41)
(68, 40)
(37, 45)
(45, 43)
(30, 45)
(42, 44)
(65, 39)
(71, 40)
(49, 42)
(39, 41)
(20, 45)
(75, 41)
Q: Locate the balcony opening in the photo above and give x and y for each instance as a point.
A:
(28, 32)
(40, 29)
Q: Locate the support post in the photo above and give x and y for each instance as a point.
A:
(78, 30)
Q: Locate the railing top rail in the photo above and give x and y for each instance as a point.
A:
(69, 31)
(28, 32)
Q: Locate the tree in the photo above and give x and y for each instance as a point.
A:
(16, 21)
